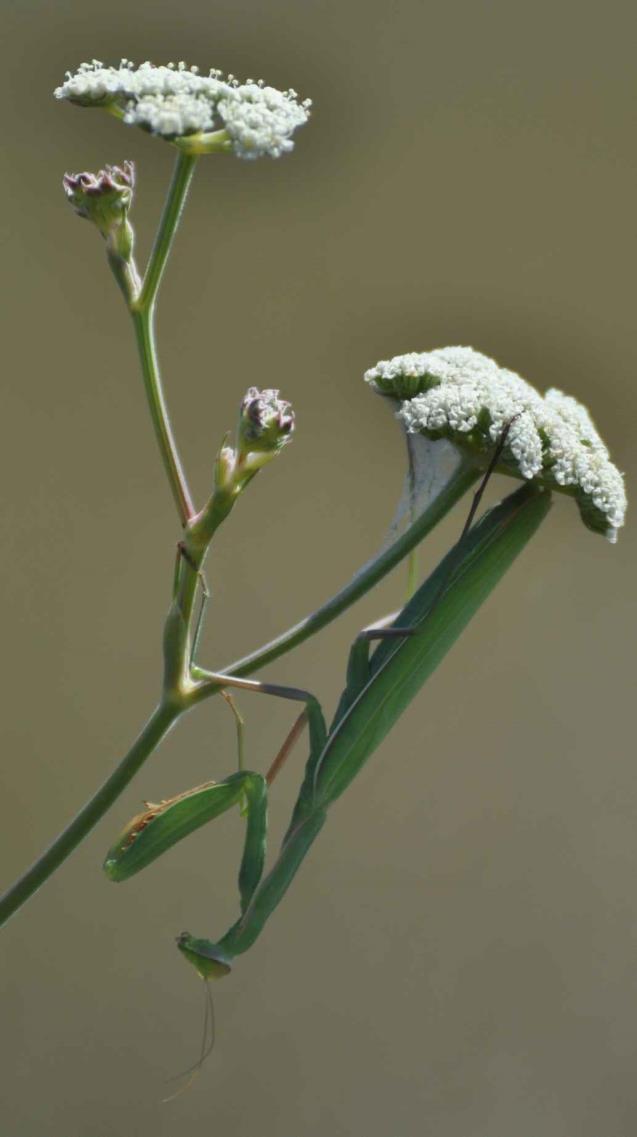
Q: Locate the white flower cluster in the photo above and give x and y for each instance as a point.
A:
(261, 120)
(459, 394)
(176, 101)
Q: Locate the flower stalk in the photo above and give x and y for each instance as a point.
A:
(142, 309)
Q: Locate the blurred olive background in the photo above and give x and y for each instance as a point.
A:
(459, 954)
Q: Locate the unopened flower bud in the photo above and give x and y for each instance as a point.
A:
(105, 199)
(266, 423)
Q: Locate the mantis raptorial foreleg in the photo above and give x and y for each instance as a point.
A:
(162, 825)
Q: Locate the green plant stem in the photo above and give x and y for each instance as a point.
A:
(156, 728)
(144, 324)
(175, 200)
(142, 310)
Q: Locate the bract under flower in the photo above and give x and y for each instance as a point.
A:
(176, 102)
(459, 394)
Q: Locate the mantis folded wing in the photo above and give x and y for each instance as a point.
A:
(377, 691)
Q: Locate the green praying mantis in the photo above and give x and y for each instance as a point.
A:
(379, 686)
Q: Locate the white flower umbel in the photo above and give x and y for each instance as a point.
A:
(458, 394)
(175, 102)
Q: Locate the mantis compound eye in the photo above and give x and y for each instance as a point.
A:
(207, 959)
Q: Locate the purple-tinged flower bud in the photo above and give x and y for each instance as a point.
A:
(266, 422)
(105, 199)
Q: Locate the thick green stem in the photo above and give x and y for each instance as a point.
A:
(143, 313)
(173, 208)
(157, 726)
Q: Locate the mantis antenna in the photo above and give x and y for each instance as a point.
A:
(207, 1047)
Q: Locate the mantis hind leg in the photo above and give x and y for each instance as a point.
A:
(358, 662)
(286, 748)
(208, 958)
(312, 712)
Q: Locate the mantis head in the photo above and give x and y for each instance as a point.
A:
(207, 958)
